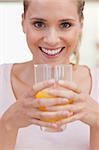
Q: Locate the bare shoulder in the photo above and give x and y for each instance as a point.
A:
(21, 77)
(18, 68)
(84, 70)
(83, 78)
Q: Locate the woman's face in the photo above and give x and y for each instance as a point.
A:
(52, 29)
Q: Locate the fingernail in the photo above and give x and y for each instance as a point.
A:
(50, 91)
(54, 125)
(61, 81)
(52, 81)
(64, 112)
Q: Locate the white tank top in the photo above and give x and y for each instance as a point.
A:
(74, 137)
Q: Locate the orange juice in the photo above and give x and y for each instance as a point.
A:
(44, 94)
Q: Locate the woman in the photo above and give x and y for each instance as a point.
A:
(52, 38)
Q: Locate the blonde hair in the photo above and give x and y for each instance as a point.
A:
(25, 5)
(80, 6)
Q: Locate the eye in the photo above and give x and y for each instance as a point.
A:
(39, 24)
(65, 25)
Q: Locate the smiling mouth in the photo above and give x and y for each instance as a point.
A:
(51, 52)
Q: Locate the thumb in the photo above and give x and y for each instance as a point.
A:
(30, 92)
(42, 85)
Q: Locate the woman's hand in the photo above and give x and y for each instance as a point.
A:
(25, 111)
(84, 108)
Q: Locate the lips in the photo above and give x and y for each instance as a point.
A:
(51, 52)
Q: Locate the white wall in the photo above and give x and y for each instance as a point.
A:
(88, 50)
(13, 47)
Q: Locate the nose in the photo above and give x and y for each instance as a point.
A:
(51, 38)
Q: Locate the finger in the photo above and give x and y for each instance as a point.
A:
(55, 115)
(48, 116)
(70, 119)
(42, 85)
(43, 124)
(69, 85)
(29, 92)
(45, 102)
(75, 108)
(64, 93)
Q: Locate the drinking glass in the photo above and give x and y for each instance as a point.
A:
(46, 72)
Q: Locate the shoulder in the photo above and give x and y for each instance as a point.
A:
(19, 67)
(81, 76)
(82, 72)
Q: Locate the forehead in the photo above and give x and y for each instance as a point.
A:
(42, 2)
(52, 7)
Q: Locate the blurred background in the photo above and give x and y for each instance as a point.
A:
(13, 47)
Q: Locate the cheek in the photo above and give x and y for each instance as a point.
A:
(31, 35)
(72, 39)
(32, 38)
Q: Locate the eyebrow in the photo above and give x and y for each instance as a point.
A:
(39, 19)
(68, 19)
(62, 20)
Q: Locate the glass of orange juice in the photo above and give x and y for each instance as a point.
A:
(46, 72)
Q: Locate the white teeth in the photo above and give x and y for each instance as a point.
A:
(51, 52)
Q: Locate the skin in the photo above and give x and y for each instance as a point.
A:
(50, 35)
